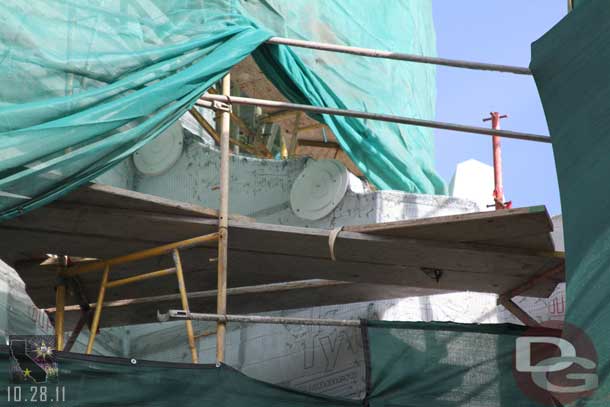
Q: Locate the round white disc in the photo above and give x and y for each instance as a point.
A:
(160, 154)
(318, 189)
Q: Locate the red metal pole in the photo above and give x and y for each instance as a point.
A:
(497, 154)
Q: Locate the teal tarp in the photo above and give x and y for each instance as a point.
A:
(407, 363)
(85, 84)
(571, 66)
(444, 365)
(391, 156)
(103, 381)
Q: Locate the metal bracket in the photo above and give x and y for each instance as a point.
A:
(215, 105)
(223, 107)
(433, 273)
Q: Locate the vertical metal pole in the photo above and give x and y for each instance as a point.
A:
(60, 302)
(497, 156)
(185, 305)
(98, 310)
(223, 224)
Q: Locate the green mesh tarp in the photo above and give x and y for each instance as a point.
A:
(103, 381)
(85, 84)
(389, 155)
(443, 365)
(571, 66)
(407, 363)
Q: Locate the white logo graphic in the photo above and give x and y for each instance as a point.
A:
(588, 381)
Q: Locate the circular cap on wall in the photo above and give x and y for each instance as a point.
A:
(318, 189)
(160, 154)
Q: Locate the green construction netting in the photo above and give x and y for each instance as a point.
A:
(443, 364)
(104, 381)
(391, 156)
(85, 84)
(408, 364)
(571, 66)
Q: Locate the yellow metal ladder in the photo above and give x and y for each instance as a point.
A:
(105, 283)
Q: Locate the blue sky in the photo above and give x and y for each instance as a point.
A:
(498, 32)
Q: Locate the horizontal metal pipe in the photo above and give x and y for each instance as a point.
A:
(141, 277)
(144, 254)
(376, 116)
(374, 53)
(255, 319)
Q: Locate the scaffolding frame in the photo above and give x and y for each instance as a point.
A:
(222, 105)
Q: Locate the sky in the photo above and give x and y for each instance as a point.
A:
(495, 32)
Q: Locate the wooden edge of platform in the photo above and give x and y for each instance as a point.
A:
(184, 207)
(379, 228)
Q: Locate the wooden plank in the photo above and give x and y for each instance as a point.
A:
(255, 289)
(106, 196)
(521, 227)
(258, 254)
(261, 254)
(318, 144)
(250, 268)
(279, 239)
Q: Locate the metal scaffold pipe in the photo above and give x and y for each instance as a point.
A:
(377, 116)
(374, 53)
(256, 319)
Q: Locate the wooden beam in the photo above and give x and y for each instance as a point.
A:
(294, 135)
(312, 127)
(319, 144)
(84, 318)
(517, 311)
(261, 249)
(255, 289)
(279, 116)
(107, 196)
(519, 227)
(223, 224)
(205, 124)
(532, 282)
(283, 147)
